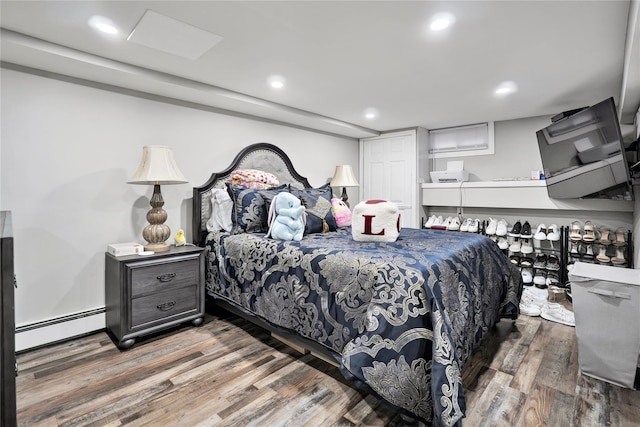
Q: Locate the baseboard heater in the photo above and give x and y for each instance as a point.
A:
(50, 331)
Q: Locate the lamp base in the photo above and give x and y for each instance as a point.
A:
(157, 247)
(157, 232)
(345, 197)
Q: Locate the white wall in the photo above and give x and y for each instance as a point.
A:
(67, 151)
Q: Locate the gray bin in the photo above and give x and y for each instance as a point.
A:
(606, 304)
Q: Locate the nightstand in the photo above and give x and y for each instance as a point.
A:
(147, 293)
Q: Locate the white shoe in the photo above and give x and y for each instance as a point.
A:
(527, 275)
(530, 306)
(454, 224)
(474, 226)
(491, 228)
(541, 295)
(501, 228)
(466, 224)
(446, 222)
(559, 314)
(502, 243)
(541, 232)
(515, 246)
(552, 233)
(430, 221)
(526, 247)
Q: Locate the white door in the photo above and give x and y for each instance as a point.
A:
(388, 172)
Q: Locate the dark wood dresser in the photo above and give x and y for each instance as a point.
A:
(7, 329)
(147, 293)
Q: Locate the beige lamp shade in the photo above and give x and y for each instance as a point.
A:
(157, 167)
(344, 177)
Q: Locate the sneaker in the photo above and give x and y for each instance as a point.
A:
(553, 263)
(474, 226)
(491, 228)
(557, 313)
(541, 232)
(530, 306)
(515, 246)
(526, 261)
(526, 246)
(552, 233)
(553, 279)
(526, 230)
(541, 295)
(515, 259)
(527, 275)
(430, 221)
(515, 231)
(465, 224)
(502, 243)
(454, 224)
(501, 228)
(540, 279)
(541, 261)
(446, 223)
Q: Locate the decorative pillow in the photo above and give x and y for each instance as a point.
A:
(317, 202)
(249, 212)
(254, 178)
(221, 208)
(375, 221)
(341, 212)
(268, 195)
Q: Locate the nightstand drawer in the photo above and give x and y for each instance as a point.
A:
(153, 278)
(162, 305)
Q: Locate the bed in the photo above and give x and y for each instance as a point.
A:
(399, 318)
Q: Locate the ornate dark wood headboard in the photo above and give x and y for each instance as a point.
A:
(261, 156)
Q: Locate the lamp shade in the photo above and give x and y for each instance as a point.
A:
(157, 167)
(344, 177)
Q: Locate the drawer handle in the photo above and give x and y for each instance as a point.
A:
(166, 277)
(166, 306)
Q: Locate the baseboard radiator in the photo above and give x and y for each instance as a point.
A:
(46, 332)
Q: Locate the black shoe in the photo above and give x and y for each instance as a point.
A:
(526, 262)
(515, 231)
(541, 261)
(526, 231)
(553, 263)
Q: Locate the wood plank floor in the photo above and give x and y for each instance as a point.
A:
(228, 372)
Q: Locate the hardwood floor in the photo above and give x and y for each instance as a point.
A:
(228, 372)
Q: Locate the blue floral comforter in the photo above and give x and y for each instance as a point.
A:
(405, 316)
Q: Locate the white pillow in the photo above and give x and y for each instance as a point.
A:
(221, 207)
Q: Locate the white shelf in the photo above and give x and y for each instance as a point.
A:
(516, 194)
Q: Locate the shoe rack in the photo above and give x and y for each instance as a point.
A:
(605, 247)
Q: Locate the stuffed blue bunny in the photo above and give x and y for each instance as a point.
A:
(287, 217)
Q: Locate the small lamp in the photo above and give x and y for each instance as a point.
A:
(157, 167)
(344, 177)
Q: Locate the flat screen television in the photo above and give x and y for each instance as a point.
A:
(583, 155)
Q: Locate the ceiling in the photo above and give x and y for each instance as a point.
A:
(342, 58)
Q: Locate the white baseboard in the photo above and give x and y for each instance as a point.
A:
(60, 328)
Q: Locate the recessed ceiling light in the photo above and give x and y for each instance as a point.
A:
(276, 82)
(506, 88)
(442, 20)
(370, 113)
(103, 25)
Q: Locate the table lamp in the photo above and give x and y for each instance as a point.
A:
(157, 167)
(344, 177)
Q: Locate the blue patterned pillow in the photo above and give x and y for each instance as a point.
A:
(250, 208)
(317, 202)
